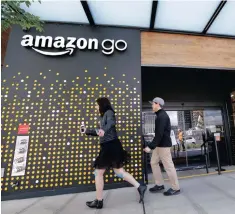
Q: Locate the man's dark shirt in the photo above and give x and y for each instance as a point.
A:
(162, 131)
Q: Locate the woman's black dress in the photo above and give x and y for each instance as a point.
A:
(112, 154)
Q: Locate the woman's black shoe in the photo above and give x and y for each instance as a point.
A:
(141, 190)
(95, 204)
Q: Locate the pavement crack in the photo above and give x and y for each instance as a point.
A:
(26, 208)
(230, 177)
(197, 207)
(220, 190)
(65, 205)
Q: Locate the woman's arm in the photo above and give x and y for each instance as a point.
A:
(91, 132)
(110, 120)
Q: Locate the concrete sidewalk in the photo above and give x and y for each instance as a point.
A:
(210, 194)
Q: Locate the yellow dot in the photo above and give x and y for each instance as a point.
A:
(105, 68)
(105, 75)
(86, 71)
(7, 66)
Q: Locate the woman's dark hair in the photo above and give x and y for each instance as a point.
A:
(104, 105)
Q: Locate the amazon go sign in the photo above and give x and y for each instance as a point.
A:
(68, 45)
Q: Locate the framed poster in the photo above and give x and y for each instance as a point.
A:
(20, 156)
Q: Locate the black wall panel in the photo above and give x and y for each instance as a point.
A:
(55, 94)
(187, 84)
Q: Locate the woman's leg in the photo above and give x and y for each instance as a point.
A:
(99, 183)
(121, 173)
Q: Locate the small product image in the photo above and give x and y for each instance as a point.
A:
(23, 141)
(19, 169)
(19, 160)
(22, 150)
(20, 156)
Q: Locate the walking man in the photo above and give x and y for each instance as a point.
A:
(161, 150)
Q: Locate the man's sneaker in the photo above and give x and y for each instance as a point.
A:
(156, 188)
(171, 192)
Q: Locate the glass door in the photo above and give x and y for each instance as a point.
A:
(178, 150)
(192, 135)
(213, 122)
(195, 138)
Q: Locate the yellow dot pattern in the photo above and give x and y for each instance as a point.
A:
(58, 155)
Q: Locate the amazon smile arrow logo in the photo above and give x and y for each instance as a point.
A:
(67, 51)
(70, 43)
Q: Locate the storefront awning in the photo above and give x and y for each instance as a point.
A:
(211, 17)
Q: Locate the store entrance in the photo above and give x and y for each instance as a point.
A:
(198, 102)
(192, 134)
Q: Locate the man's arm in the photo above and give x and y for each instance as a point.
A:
(160, 125)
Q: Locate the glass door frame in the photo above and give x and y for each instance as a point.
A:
(184, 106)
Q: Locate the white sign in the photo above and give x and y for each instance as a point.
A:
(173, 139)
(217, 136)
(2, 172)
(68, 45)
(20, 156)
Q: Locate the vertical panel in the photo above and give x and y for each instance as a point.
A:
(55, 94)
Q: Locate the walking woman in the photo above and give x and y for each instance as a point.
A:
(112, 155)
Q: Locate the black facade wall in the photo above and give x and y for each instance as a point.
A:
(54, 95)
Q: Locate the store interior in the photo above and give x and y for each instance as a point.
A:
(196, 102)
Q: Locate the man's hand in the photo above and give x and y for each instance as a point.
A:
(101, 133)
(147, 149)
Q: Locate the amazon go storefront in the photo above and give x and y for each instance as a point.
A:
(50, 83)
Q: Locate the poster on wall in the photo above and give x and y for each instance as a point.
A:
(20, 156)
